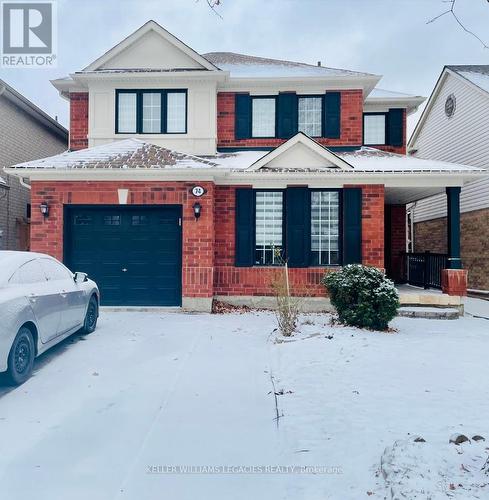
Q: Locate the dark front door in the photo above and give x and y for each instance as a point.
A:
(134, 253)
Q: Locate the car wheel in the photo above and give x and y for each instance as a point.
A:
(21, 357)
(91, 317)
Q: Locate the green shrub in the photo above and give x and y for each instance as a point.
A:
(362, 296)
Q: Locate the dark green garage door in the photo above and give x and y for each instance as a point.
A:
(132, 252)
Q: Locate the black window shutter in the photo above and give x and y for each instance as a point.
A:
(332, 115)
(298, 226)
(245, 227)
(242, 113)
(352, 226)
(287, 115)
(395, 132)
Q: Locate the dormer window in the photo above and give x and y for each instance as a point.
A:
(151, 111)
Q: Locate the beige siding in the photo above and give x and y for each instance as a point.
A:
(21, 139)
(464, 138)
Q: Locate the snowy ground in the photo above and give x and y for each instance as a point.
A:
(105, 414)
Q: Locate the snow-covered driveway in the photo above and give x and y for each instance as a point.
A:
(104, 415)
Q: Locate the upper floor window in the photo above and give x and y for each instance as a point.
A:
(374, 129)
(263, 117)
(310, 115)
(151, 111)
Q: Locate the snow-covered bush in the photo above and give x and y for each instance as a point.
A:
(362, 296)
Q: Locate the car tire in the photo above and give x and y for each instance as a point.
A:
(91, 316)
(21, 357)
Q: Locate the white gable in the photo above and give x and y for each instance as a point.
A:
(299, 156)
(152, 51)
(151, 47)
(300, 152)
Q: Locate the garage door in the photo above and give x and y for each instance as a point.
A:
(132, 252)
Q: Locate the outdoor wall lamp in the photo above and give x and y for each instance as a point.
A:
(44, 208)
(197, 209)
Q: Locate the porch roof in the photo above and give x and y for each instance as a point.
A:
(406, 178)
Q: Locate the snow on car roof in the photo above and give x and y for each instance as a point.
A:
(11, 260)
(245, 66)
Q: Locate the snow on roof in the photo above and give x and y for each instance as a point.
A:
(478, 75)
(125, 154)
(244, 66)
(136, 154)
(374, 160)
(389, 94)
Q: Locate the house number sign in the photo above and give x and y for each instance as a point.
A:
(198, 191)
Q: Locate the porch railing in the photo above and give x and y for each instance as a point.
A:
(424, 269)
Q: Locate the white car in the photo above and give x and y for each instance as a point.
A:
(41, 303)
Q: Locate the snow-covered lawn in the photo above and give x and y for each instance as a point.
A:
(105, 414)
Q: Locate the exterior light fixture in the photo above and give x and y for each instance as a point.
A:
(197, 209)
(44, 208)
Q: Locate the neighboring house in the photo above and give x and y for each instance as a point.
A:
(26, 133)
(455, 127)
(193, 176)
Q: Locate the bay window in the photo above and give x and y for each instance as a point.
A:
(151, 111)
(269, 227)
(310, 115)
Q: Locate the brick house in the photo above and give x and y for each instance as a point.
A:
(26, 133)
(454, 127)
(192, 177)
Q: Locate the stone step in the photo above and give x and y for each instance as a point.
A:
(429, 312)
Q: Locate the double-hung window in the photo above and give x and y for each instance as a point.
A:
(325, 225)
(263, 112)
(374, 129)
(310, 115)
(269, 228)
(151, 111)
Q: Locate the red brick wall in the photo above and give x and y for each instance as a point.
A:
(78, 120)
(396, 239)
(230, 280)
(198, 235)
(208, 243)
(372, 225)
(351, 123)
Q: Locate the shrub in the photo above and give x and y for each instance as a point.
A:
(288, 307)
(362, 296)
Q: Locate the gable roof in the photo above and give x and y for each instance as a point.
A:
(476, 76)
(32, 110)
(150, 26)
(245, 66)
(322, 157)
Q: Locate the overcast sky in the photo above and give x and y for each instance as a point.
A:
(385, 37)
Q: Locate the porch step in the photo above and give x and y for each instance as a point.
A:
(429, 312)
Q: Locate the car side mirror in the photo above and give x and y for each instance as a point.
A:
(80, 277)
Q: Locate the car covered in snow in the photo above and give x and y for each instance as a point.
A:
(41, 303)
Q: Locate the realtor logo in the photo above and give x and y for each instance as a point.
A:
(28, 34)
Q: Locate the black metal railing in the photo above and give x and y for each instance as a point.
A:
(424, 269)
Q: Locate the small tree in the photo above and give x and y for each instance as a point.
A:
(362, 296)
(288, 307)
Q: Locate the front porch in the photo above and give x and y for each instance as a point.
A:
(426, 270)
